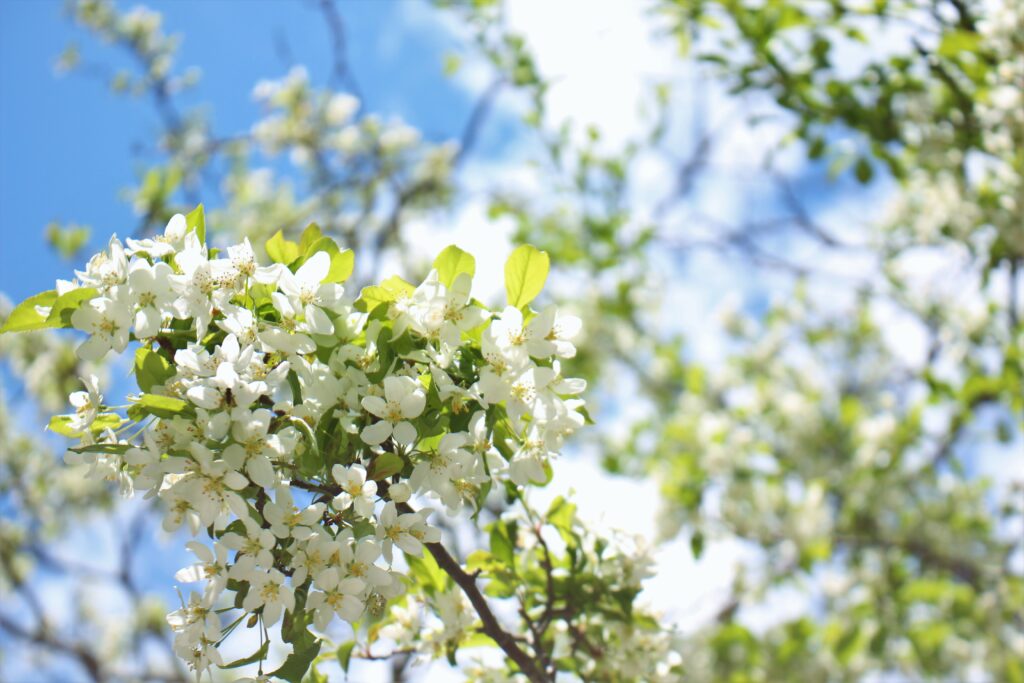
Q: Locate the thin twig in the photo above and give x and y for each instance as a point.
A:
(491, 627)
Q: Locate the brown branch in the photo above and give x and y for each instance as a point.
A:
(467, 140)
(549, 571)
(326, 489)
(965, 20)
(341, 70)
(465, 581)
(801, 216)
(491, 627)
(1012, 304)
(42, 636)
(929, 556)
(481, 109)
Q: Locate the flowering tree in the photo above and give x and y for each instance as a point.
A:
(294, 426)
(836, 436)
(840, 430)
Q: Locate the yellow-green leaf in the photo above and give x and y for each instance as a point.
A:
(67, 303)
(151, 368)
(257, 656)
(426, 573)
(385, 465)
(25, 317)
(196, 220)
(342, 265)
(452, 262)
(478, 639)
(392, 289)
(61, 424)
(309, 236)
(344, 654)
(398, 287)
(955, 42)
(161, 406)
(281, 250)
(525, 273)
(373, 296)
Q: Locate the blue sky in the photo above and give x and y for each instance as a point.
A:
(65, 141)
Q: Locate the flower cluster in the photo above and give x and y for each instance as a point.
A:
(315, 127)
(293, 424)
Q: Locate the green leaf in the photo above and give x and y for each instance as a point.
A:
(478, 639)
(503, 543)
(697, 544)
(955, 42)
(25, 317)
(373, 296)
(161, 406)
(385, 465)
(392, 289)
(500, 586)
(481, 560)
(344, 654)
(452, 262)
(305, 645)
(451, 64)
(525, 273)
(260, 654)
(151, 369)
(863, 170)
(106, 448)
(561, 515)
(342, 265)
(311, 234)
(281, 250)
(68, 240)
(427, 574)
(310, 460)
(196, 220)
(299, 661)
(67, 303)
(1014, 671)
(398, 287)
(60, 424)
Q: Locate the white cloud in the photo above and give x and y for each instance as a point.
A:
(600, 59)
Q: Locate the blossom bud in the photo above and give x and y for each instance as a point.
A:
(400, 492)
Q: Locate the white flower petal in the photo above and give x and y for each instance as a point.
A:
(405, 433)
(413, 404)
(376, 433)
(315, 269)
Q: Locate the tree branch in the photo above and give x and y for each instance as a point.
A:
(42, 636)
(491, 627)
(341, 71)
(476, 119)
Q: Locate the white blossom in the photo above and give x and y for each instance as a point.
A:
(108, 322)
(404, 399)
(356, 491)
